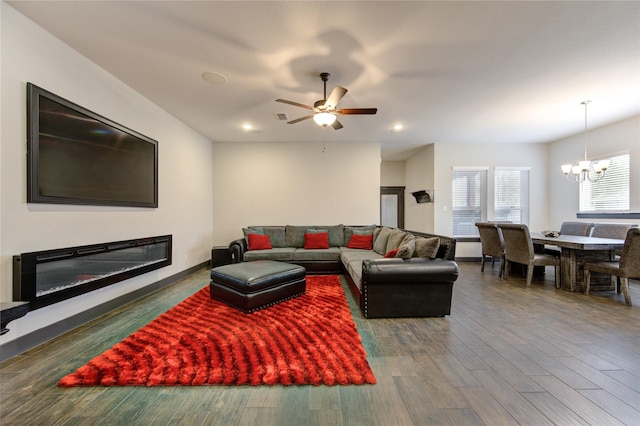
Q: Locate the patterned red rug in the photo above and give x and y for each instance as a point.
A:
(309, 340)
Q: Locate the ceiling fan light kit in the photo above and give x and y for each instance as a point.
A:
(325, 112)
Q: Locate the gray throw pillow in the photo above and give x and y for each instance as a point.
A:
(380, 243)
(427, 247)
(407, 248)
(251, 230)
(295, 235)
(395, 239)
(276, 235)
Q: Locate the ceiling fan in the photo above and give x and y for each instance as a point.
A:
(325, 112)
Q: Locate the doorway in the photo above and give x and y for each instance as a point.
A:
(392, 206)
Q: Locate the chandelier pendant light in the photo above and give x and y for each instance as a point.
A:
(585, 170)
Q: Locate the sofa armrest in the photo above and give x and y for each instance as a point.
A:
(237, 248)
(389, 271)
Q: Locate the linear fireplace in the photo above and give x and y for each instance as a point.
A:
(46, 277)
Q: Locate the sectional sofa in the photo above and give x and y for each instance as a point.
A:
(391, 272)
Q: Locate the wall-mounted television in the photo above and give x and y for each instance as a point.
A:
(75, 156)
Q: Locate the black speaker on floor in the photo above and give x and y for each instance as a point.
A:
(220, 255)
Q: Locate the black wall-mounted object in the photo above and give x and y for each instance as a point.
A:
(75, 156)
(423, 196)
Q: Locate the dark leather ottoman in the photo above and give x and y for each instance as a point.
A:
(251, 286)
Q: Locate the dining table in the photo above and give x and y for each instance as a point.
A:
(577, 250)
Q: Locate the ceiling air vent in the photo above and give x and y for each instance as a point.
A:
(282, 116)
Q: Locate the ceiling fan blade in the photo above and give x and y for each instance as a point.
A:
(335, 96)
(336, 125)
(297, 120)
(351, 111)
(284, 101)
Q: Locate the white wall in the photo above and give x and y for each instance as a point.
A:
(392, 173)
(620, 137)
(293, 184)
(30, 54)
(420, 175)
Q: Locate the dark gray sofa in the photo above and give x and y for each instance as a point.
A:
(418, 284)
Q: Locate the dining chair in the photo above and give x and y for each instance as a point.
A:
(627, 267)
(617, 231)
(570, 228)
(519, 249)
(576, 228)
(492, 244)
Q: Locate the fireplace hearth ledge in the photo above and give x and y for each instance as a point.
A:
(24, 343)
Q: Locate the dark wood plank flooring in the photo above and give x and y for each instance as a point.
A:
(506, 355)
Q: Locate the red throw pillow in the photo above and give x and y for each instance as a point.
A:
(259, 242)
(364, 242)
(391, 253)
(316, 241)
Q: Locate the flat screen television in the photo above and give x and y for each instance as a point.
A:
(75, 156)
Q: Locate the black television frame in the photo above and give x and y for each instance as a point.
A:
(34, 195)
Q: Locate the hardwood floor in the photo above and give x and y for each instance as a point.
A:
(506, 355)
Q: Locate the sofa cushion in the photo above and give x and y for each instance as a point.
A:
(358, 230)
(407, 247)
(364, 242)
(331, 253)
(277, 235)
(395, 239)
(354, 268)
(282, 254)
(247, 231)
(380, 242)
(336, 234)
(318, 240)
(349, 255)
(427, 247)
(295, 235)
(259, 242)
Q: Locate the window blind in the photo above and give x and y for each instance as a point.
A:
(511, 195)
(610, 193)
(469, 200)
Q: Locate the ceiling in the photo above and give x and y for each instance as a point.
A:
(450, 72)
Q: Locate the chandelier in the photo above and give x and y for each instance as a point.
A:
(585, 170)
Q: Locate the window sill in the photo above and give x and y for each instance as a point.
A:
(605, 215)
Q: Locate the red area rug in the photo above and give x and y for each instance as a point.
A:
(309, 340)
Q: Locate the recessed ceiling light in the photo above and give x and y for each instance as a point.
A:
(214, 78)
(397, 128)
(247, 126)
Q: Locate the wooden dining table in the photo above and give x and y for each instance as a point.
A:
(575, 251)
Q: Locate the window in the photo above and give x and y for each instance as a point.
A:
(612, 192)
(469, 200)
(511, 194)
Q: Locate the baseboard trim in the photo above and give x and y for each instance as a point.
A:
(40, 336)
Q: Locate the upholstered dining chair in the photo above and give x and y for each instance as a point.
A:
(611, 230)
(582, 229)
(627, 267)
(576, 228)
(492, 244)
(518, 248)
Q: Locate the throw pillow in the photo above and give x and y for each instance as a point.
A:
(380, 242)
(316, 241)
(391, 253)
(427, 247)
(247, 231)
(364, 242)
(395, 239)
(259, 242)
(407, 248)
(360, 230)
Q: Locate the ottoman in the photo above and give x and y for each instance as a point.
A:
(251, 286)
